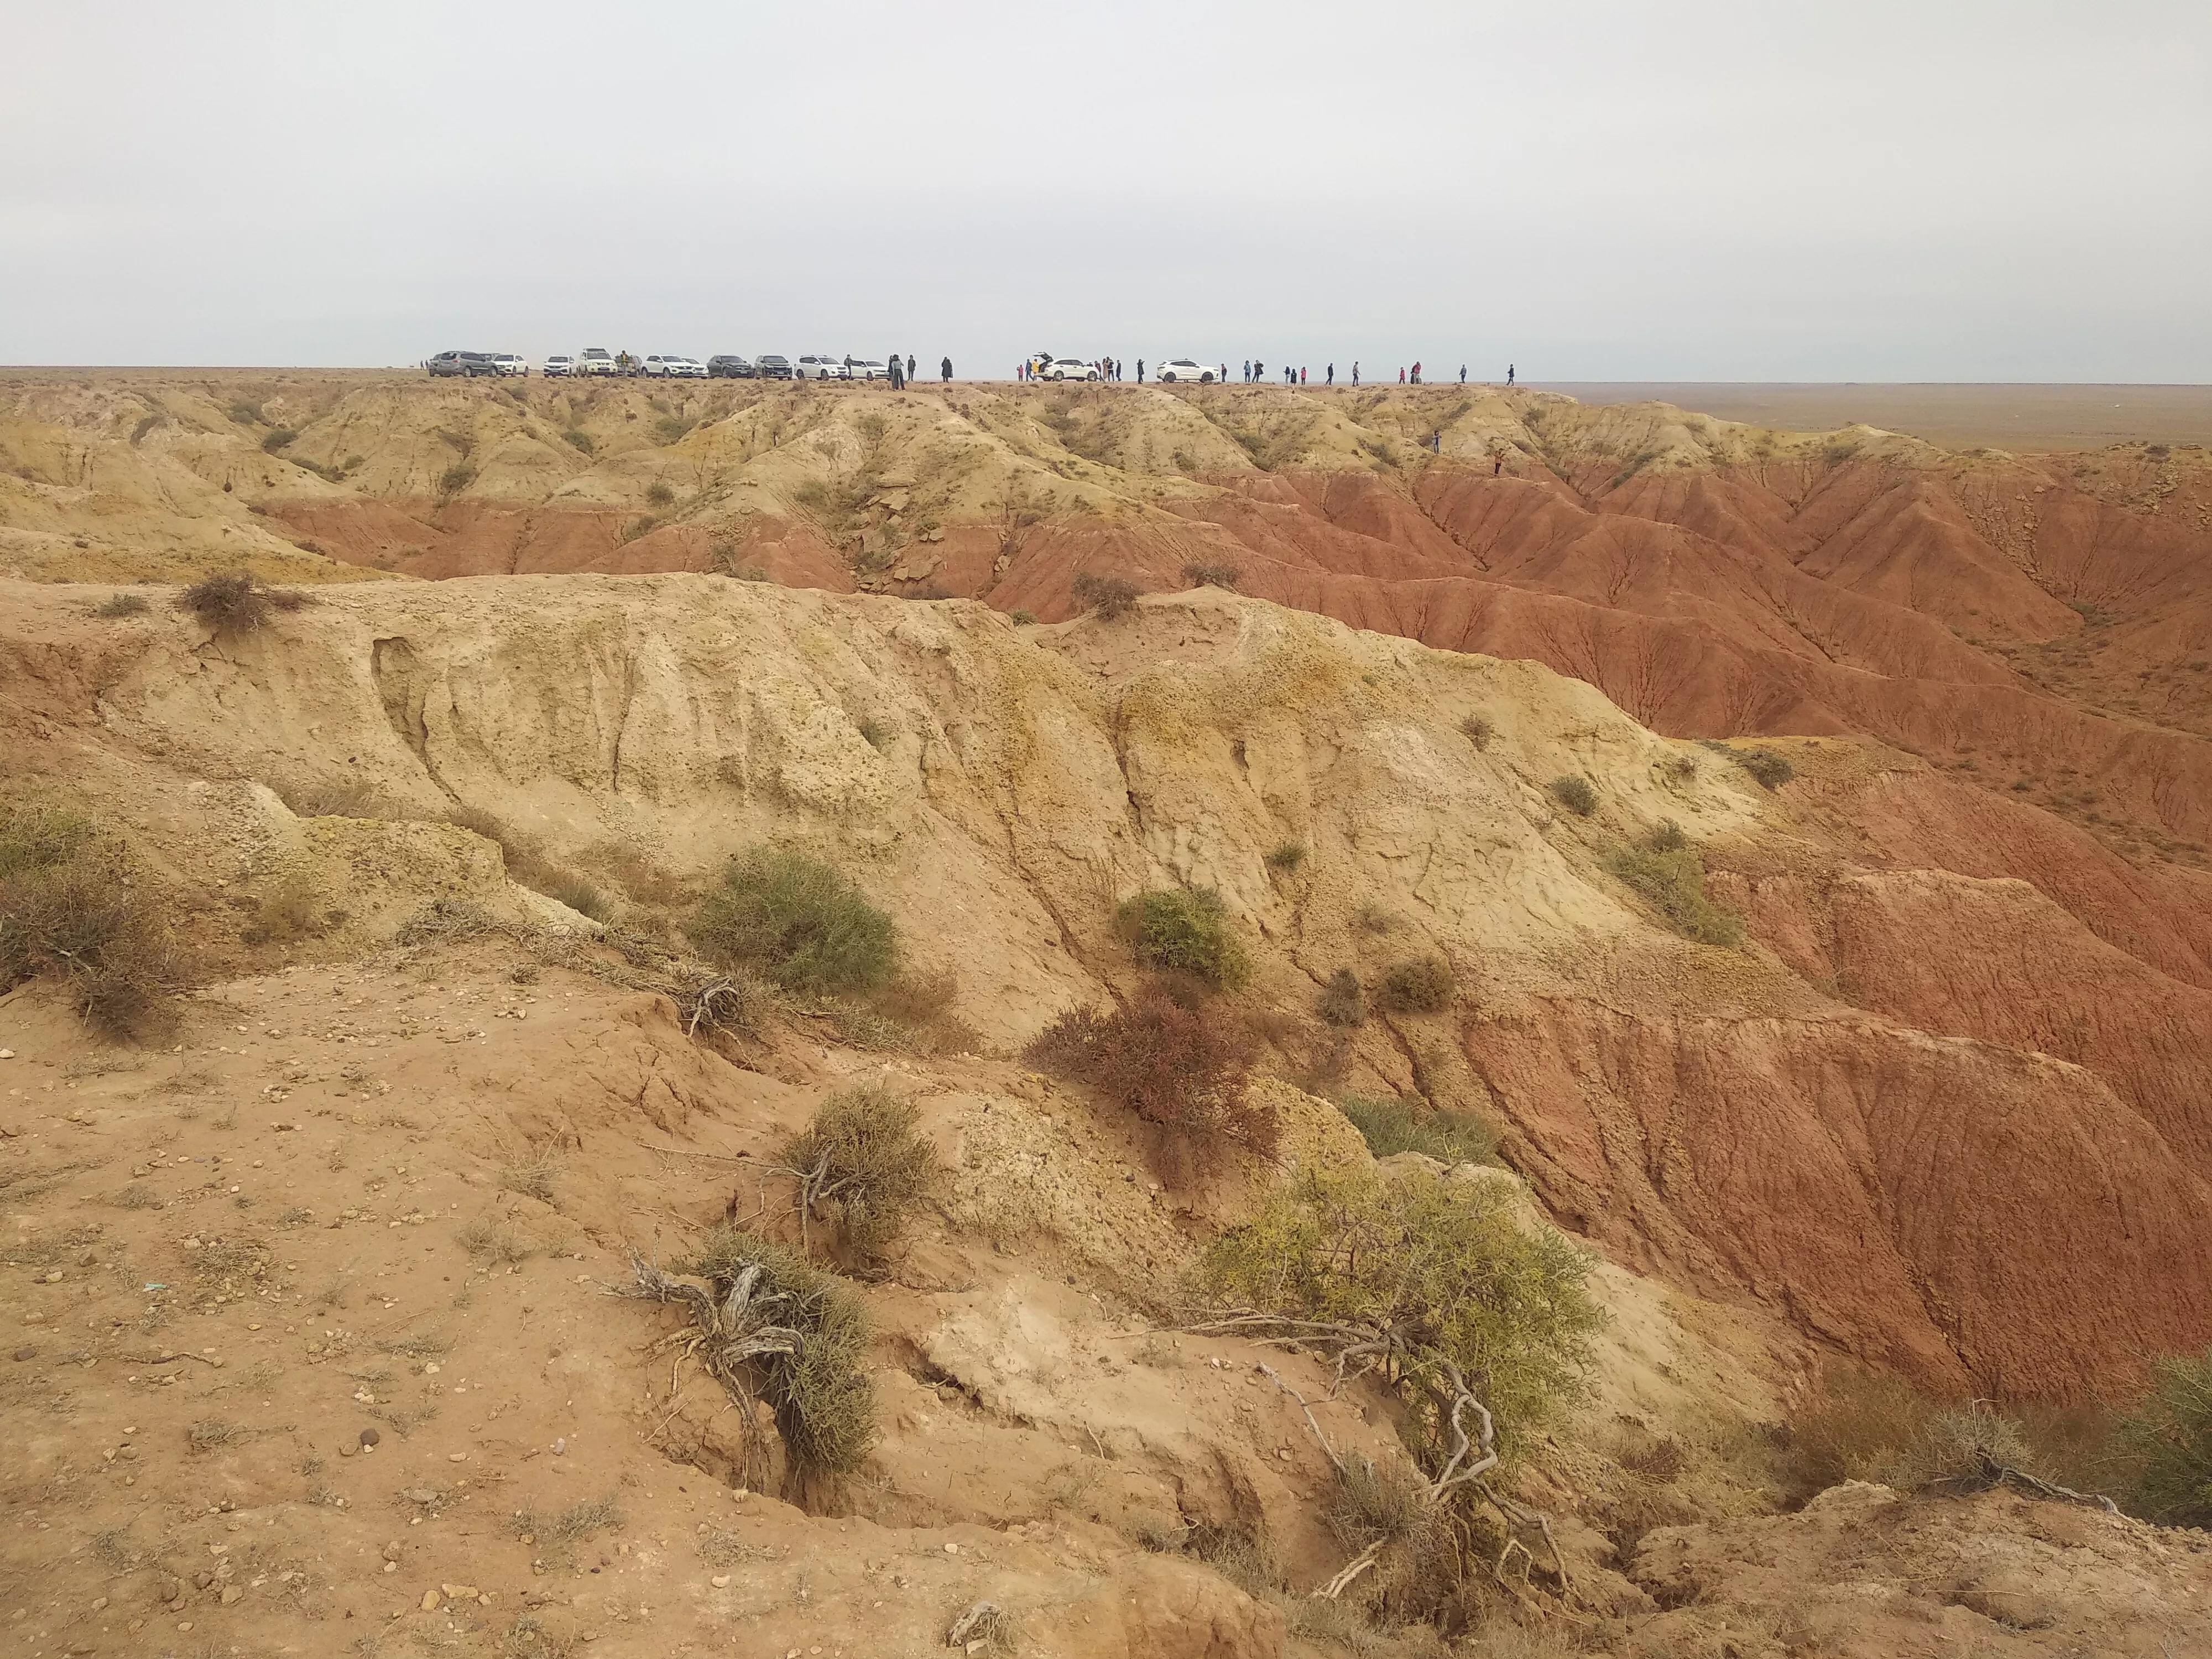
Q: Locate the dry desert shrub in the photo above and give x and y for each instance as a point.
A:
(1185, 930)
(1442, 1266)
(1107, 598)
(1182, 1070)
(76, 904)
(2168, 1437)
(798, 920)
(1418, 985)
(862, 1152)
(446, 921)
(800, 1342)
(1478, 731)
(1962, 1448)
(237, 601)
(1575, 794)
(122, 604)
(1201, 573)
(1768, 769)
(1343, 1003)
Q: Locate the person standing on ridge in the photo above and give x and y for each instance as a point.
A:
(1463, 373)
(1402, 375)
(910, 365)
(1355, 371)
(947, 367)
(1332, 375)
(1140, 371)
(1508, 375)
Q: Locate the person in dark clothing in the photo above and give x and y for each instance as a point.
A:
(946, 366)
(910, 365)
(1508, 375)
(1332, 375)
(1435, 443)
(1355, 371)
(1140, 371)
(1497, 465)
(1463, 373)
(1259, 371)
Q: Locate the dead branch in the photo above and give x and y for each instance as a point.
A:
(1328, 1450)
(978, 1616)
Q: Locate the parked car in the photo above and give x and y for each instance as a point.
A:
(506, 363)
(596, 360)
(559, 363)
(725, 367)
(466, 363)
(1069, 368)
(1181, 369)
(865, 368)
(773, 366)
(815, 366)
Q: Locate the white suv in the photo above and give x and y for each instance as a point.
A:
(660, 368)
(596, 360)
(823, 367)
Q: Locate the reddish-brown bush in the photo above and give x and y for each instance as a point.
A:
(1182, 1070)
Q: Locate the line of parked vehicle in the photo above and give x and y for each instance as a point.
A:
(661, 366)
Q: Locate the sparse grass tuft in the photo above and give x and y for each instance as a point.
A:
(556, 1535)
(1418, 985)
(1390, 1126)
(800, 921)
(659, 494)
(1022, 618)
(1669, 874)
(1287, 856)
(122, 604)
(237, 601)
(532, 1176)
(1185, 929)
(1574, 792)
(210, 1433)
(494, 1242)
(1478, 731)
(1107, 598)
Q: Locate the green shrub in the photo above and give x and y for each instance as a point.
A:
(454, 479)
(1441, 1264)
(1575, 794)
(1342, 1001)
(863, 1152)
(236, 602)
(660, 494)
(1185, 929)
(1418, 985)
(2169, 1436)
(580, 441)
(1390, 1126)
(75, 903)
(1672, 882)
(801, 922)
(1183, 1070)
(581, 897)
(1109, 598)
(277, 439)
(1666, 838)
(824, 1404)
(1768, 768)
(1287, 856)
(1023, 618)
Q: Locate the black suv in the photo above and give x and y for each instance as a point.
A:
(772, 368)
(728, 368)
(470, 363)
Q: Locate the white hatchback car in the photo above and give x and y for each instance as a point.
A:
(1181, 369)
(559, 364)
(1069, 368)
(821, 367)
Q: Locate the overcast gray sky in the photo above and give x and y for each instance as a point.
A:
(1941, 190)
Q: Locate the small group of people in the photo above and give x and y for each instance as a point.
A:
(1106, 368)
(902, 370)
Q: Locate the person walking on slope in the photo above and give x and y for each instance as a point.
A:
(1508, 375)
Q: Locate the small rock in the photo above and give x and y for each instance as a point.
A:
(720, 1581)
(457, 1458)
(430, 1600)
(231, 1593)
(559, 1444)
(26, 1353)
(952, 1549)
(370, 1437)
